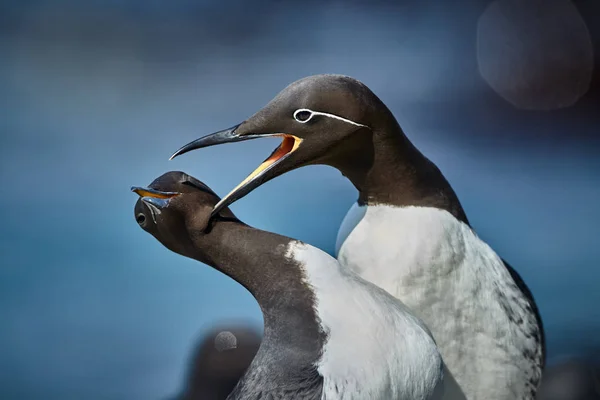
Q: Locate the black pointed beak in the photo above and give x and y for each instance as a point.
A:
(221, 137)
(149, 192)
(236, 194)
(266, 171)
(156, 200)
(262, 174)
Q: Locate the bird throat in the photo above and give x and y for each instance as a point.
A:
(387, 169)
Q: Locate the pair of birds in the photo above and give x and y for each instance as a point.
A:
(416, 306)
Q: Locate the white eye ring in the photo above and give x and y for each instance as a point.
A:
(303, 110)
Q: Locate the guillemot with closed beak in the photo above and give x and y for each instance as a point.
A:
(407, 233)
(328, 334)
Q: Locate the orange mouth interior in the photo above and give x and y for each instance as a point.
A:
(145, 193)
(289, 144)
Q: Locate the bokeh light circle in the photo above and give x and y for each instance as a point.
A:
(536, 54)
(225, 341)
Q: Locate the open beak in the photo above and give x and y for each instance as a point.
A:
(289, 144)
(154, 199)
(153, 193)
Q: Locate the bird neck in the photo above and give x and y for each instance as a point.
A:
(259, 261)
(256, 259)
(386, 168)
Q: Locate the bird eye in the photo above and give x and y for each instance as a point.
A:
(303, 115)
(140, 218)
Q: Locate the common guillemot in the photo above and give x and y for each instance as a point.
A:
(328, 334)
(407, 233)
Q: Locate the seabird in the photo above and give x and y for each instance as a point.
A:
(407, 233)
(328, 334)
(219, 361)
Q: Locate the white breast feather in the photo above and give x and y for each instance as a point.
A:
(458, 286)
(375, 349)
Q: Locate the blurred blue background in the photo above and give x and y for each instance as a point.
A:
(96, 95)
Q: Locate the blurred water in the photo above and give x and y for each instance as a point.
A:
(95, 98)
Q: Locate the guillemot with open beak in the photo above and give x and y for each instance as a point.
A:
(407, 233)
(328, 334)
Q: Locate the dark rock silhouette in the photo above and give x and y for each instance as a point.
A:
(571, 380)
(219, 361)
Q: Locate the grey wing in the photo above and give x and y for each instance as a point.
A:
(536, 331)
(254, 387)
(541, 336)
